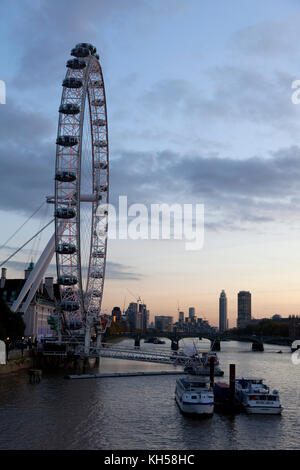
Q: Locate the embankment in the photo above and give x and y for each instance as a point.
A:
(17, 362)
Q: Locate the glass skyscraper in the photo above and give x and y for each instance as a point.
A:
(244, 309)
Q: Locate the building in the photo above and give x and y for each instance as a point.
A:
(194, 326)
(41, 307)
(116, 315)
(138, 316)
(223, 312)
(244, 309)
(181, 317)
(132, 314)
(192, 313)
(145, 315)
(294, 326)
(164, 323)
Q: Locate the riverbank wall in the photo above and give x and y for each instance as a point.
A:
(17, 361)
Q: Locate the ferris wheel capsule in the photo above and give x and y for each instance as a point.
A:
(100, 122)
(65, 176)
(67, 140)
(98, 102)
(69, 108)
(64, 213)
(72, 82)
(76, 64)
(66, 280)
(65, 249)
(87, 46)
(101, 165)
(80, 51)
(100, 143)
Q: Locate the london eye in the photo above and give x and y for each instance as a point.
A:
(80, 203)
(81, 189)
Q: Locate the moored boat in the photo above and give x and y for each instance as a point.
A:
(154, 340)
(200, 364)
(194, 396)
(256, 398)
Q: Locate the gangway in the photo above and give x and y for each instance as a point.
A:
(117, 352)
(133, 354)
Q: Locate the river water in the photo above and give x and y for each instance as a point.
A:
(141, 413)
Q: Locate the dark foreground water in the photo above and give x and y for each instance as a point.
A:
(141, 413)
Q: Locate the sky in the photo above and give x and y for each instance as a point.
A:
(199, 112)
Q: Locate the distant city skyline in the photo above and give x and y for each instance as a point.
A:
(142, 316)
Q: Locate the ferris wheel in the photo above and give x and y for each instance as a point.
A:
(81, 190)
(79, 241)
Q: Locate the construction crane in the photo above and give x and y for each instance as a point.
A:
(124, 304)
(138, 299)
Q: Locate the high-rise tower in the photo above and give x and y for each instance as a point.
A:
(192, 312)
(222, 312)
(244, 309)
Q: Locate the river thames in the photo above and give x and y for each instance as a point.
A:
(141, 413)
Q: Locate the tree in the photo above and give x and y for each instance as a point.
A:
(265, 327)
(11, 324)
(116, 328)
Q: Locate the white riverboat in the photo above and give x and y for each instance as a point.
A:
(194, 395)
(256, 397)
(199, 364)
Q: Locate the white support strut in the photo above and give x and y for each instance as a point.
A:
(37, 282)
(36, 274)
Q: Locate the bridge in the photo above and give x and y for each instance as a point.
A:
(74, 357)
(214, 338)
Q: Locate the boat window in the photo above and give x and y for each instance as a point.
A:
(194, 397)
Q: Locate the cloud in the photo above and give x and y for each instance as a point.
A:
(57, 28)
(53, 28)
(231, 94)
(119, 271)
(167, 172)
(24, 127)
(269, 39)
(113, 271)
(253, 190)
(234, 191)
(20, 266)
(25, 177)
(27, 158)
